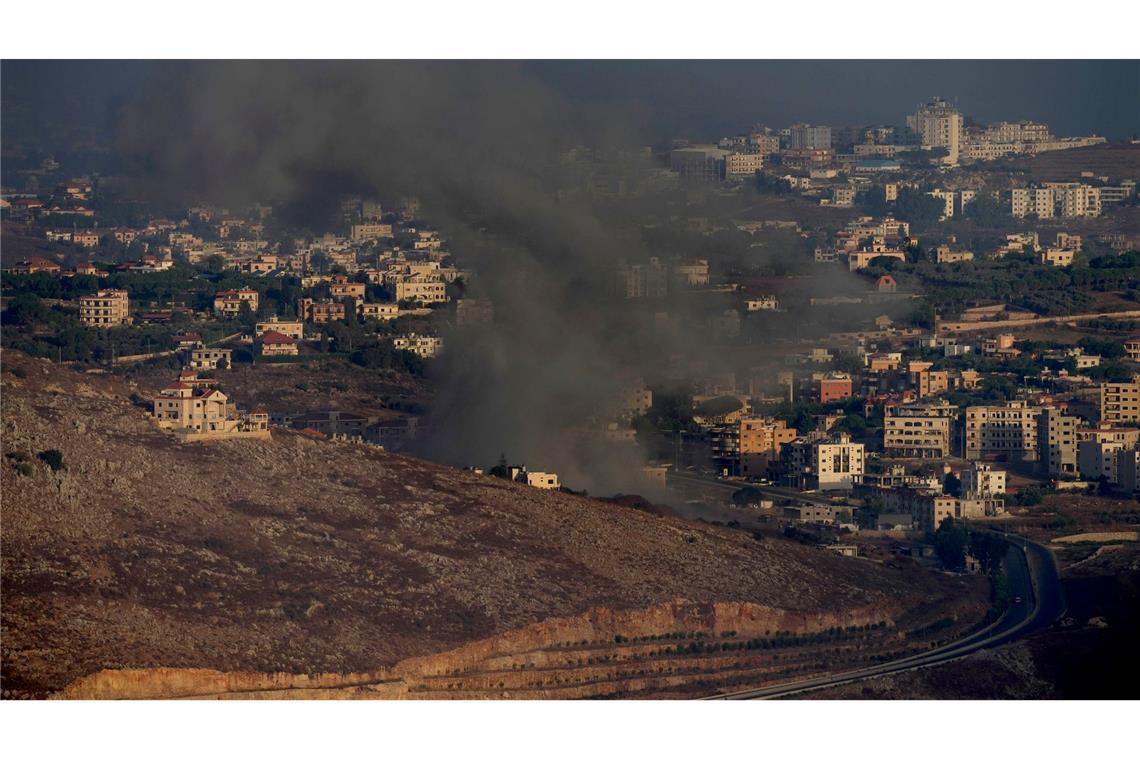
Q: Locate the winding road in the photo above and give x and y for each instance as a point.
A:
(1033, 576)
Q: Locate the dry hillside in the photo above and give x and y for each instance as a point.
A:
(302, 556)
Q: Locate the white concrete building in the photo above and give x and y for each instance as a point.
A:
(939, 125)
(980, 481)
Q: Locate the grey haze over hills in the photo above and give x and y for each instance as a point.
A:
(697, 99)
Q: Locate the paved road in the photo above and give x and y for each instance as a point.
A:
(1033, 575)
(732, 486)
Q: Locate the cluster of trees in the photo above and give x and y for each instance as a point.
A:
(987, 211)
(915, 206)
(1018, 279)
(382, 355)
(952, 542)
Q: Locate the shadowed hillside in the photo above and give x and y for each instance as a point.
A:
(302, 556)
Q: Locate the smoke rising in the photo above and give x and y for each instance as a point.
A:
(482, 145)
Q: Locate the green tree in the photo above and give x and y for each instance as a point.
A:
(950, 541)
(986, 211)
(25, 309)
(918, 208)
(952, 485)
(500, 470)
(989, 550)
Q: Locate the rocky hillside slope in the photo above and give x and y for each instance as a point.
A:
(305, 557)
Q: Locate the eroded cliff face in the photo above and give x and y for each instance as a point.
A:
(681, 646)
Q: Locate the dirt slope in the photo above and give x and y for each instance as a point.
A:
(303, 556)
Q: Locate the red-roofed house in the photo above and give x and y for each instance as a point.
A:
(886, 284)
(194, 414)
(273, 343)
(89, 269)
(188, 340)
(36, 264)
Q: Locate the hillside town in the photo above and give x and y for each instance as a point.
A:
(853, 361)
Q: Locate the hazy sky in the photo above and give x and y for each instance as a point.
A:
(703, 99)
(715, 97)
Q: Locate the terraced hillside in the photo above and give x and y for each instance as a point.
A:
(264, 568)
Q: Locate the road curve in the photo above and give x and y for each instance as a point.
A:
(1033, 575)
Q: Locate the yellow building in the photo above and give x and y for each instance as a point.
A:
(195, 413)
(107, 308)
(1120, 402)
(228, 302)
(1058, 257)
(422, 288)
(295, 329)
(381, 311)
(424, 346)
(211, 358)
(919, 430)
(1008, 431)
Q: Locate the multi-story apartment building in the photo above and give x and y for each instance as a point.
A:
(1120, 402)
(421, 288)
(699, 164)
(1057, 439)
(1007, 432)
(931, 382)
(1016, 132)
(765, 144)
(1128, 470)
(807, 137)
(824, 464)
(1032, 200)
(319, 312)
(107, 308)
(1076, 199)
(742, 165)
(748, 446)
(843, 196)
(1097, 459)
(1118, 193)
(644, 280)
(981, 481)
(919, 430)
(939, 125)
